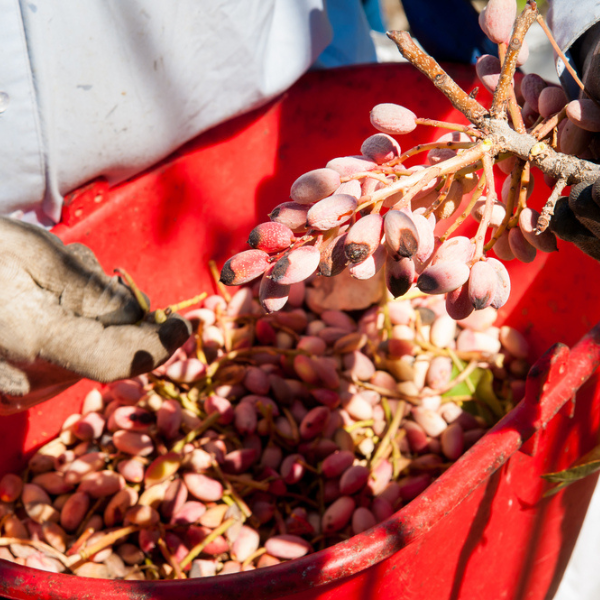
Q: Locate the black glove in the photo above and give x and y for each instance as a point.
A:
(62, 318)
(577, 218)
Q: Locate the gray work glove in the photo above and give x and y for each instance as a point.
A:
(62, 319)
(576, 218)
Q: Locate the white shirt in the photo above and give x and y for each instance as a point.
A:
(110, 87)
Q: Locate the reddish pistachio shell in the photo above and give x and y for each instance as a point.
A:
(363, 238)
(168, 418)
(291, 214)
(272, 296)
(371, 265)
(497, 20)
(186, 371)
(271, 237)
(143, 516)
(443, 277)
(353, 479)
(188, 513)
(401, 234)
(130, 418)
(338, 515)
(488, 70)
(292, 468)
(175, 497)
(520, 247)
(196, 534)
(244, 267)
(119, 504)
(74, 510)
(551, 100)
(287, 547)
(89, 427)
(239, 461)
(314, 422)
(333, 256)
(482, 284)
(410, 487)
(88, 463)
(335, 464)
(399, 275)
(452, 441)
(130, 442)
(314, 186)
(349, 165)
(362, 519)
(331, 212)
(585, 114)
(456, 249)
(246, 543)
(393, 119)
(132, 470)
(215, 403)
(296, 266)
(202, 487)
(531, 88)
(502, 246)
(545, 241)
(380, 148)
(10, 487)
(101, 484)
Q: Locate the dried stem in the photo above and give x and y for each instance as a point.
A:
(452, 126)
(510, 202)
(245, 510)
(41, 546)
(560, 53)
(548, 210)
(441, 197)
(490, 199)
(544, 128)
(515, 112)
(461, 218)
(462, 376)
(212, 265)
(107, 540)
(431, 146)
(164, 550)
(427, 65)
(389, 435)
(211, 537)
(501, 138)
(446, 167)
(509, 66)
(364, 174)
(523, 191)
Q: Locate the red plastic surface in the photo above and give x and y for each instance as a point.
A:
(481, 530)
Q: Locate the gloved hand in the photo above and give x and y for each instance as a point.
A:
(577, 218)
(62, 319)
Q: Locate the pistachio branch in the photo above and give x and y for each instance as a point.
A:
(468, 106)
(500, 136)
(490, 199)
(509, 65)
(548, 210)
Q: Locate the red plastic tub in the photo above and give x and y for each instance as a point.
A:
(481, 530)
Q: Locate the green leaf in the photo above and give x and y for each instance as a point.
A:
(462, 388)
(485, 393)
(586, 465)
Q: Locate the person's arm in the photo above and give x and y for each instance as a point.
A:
(62, 318)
